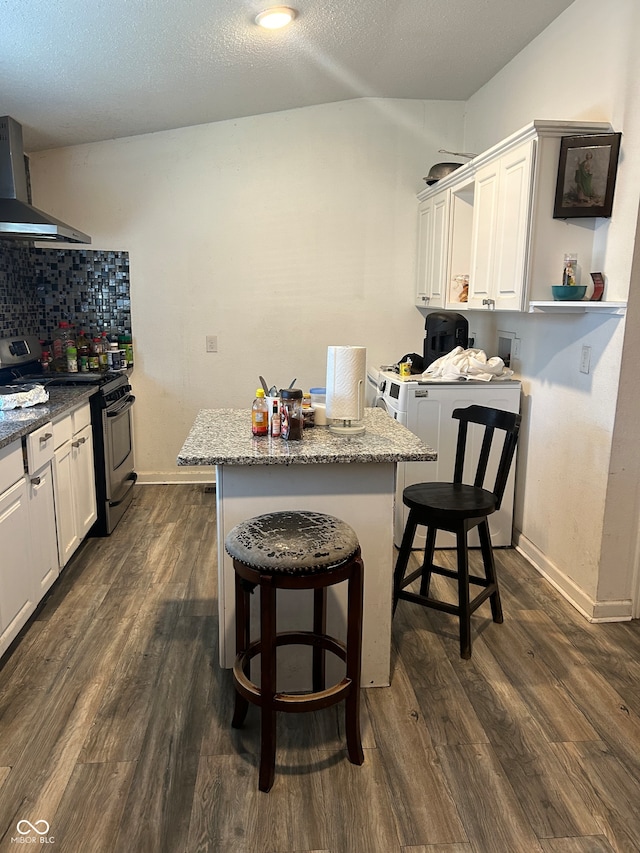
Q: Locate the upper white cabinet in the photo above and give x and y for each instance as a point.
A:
(499, 234)
(433, 250)
(499, 225)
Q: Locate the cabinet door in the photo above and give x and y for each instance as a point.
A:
(17, 600)
(84, 486)
(483, 242)
(433, 251)
(68, 539)
(501, 220)
(512, 229)
(42, 519)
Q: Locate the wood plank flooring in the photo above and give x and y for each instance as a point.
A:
(115, 720)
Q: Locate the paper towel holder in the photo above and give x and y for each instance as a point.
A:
(353, 425)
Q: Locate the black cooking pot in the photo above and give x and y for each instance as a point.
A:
(441, 170)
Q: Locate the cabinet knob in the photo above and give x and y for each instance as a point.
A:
(46, 437)
(35, 481)
(79, 441)
(490, 303)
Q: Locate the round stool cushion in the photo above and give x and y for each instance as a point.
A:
(292, 542)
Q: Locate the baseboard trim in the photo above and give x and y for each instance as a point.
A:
(593, 611)
(167, 478)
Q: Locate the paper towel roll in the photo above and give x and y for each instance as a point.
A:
(346, 379)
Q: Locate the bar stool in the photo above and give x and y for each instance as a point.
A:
(295, 551)
(459, 507)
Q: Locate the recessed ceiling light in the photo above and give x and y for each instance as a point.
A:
(276, 17)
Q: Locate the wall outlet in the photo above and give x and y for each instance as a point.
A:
(212, 343)
(515, 348)
(585, 359)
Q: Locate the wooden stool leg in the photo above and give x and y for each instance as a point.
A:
(268, 672)
(354, 653)
(427, 563)
(242, 591)
(318, 676)
(490, 570)
(463, 595)
(403, 556)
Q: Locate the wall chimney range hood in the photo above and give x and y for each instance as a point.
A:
(19, 220)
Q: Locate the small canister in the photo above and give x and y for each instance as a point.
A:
(291, 411)
(319, 405)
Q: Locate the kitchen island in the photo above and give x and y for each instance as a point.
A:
(352, 478)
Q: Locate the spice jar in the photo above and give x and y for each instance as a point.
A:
(291, 411)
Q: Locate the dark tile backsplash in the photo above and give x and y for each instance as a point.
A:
(40, 287)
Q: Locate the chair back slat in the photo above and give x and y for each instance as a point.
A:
(492, 420)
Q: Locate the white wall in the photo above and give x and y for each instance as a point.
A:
(288, 232)
(281, 234)
(584, 66)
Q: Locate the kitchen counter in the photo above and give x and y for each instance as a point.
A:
(352, 478)
(223, 437)
(18, 422)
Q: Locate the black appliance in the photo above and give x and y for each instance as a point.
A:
(111, 424)
(443, 332)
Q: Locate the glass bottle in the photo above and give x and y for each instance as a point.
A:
(291, 409)
(569, 274)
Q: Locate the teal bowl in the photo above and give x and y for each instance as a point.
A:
(564, 292)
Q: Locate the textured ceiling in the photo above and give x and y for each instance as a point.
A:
(73, 72)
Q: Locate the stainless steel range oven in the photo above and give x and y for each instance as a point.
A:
(111, 424)
(112, 427)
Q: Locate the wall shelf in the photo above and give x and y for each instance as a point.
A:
(578, 307)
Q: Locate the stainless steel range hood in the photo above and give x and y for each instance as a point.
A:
(19, 220)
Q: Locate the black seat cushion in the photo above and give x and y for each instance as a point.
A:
(292, 542)
(455, 500)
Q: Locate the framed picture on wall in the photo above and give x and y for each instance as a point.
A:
(586, 175)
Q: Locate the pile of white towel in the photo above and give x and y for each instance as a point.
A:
(462, 364)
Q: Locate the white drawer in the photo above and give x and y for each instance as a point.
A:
(11, 465)
(39, 447)
(62, 431)
(81, 418)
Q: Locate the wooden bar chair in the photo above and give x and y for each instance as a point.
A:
(458, 508)
(295, 551)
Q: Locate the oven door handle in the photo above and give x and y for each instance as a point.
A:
(122, 407)
(131, 481)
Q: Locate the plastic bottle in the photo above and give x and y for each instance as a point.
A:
(61, 338)
(83, 352)
(102, 355)
(72, 357)
(96, 352)
(260, 414)
(125, 343)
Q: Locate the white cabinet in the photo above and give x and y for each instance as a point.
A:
(500, 230)
(17, 589)
(433, 251)
(74, 481)
(499, 227)
(42, 518)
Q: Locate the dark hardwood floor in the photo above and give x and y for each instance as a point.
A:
(115, 720)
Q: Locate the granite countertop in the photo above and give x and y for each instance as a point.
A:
(223, 437)
(18, 422)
